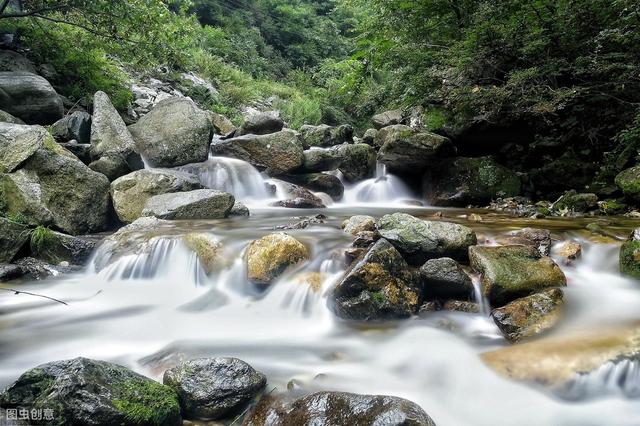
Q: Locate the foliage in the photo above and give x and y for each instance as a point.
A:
(41, 239)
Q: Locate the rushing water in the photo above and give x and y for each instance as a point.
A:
(150, 309)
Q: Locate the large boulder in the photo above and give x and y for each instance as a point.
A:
(405, 151)
(5, 117)
(76, 126)
(55, 247)
(131, 192)
(445, 279)
(319, 182)
(387, 118)
(378, 286)
(198, 204)
(86, 392)
(30, 98)
(337, 409)
(510, 272)
(175, 133)
(13, 61)
(18, 143)
(277, 153)
(261, 123)
(268, 257)
(575, 202)
(420, 240)
(13, 236)
(358, 162)
(463, 181)
(629, 182)
(316, 160)
(630, 255)
(298, 197)
(325, 136)
(214, 388)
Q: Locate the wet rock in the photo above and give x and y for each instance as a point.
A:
(268, 257)
(239, 209)
(82, 151)
(353, 253)
(174, 133)
(18, 143)
(198, 204)
(36, 269)
(214, 388)
(369, 137)
(463, 181)
(630, 255)
(511, 272)
(303, 222)
(358, 162)
(10, 272)
(597, 228)
(461, 306)
(261, 123)
(321, 159)
(13, 236)
(76, 126)
(530, 315)
(445, 279)
(575, 202)
(5, 117)
(131, 192)
(365, 238)
(387, 118)
(207, 247)
(379, 286)
(221, 124)
(337, 408)
(84, 391)
(298, 198)
(276, 153)
(629, 182)
(325, 136)
(570, 251)
(538, 238)
(318, 182)
(55, 247)
(359, 223)
(313, 280)
(405, 151)
(13, 61)
(30, 98)
(420, 240)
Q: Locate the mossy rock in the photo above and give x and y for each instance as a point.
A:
(270, 256)
(13, 236)
(576, 202)
(630, 256)
(629, 182)
(207, 247)
(55, 247)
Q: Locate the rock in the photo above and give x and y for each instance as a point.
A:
(271, 255)
(321, 159)
(261, 123)
(13, 236)
(365, 239)
(337, 408)
(629, 182)
(405, 151)
(239, 209)
(56, 247)
(510, 272)
(387, 118)
(175, 133)
(313, 280)
(570, 251)
(82, 151)
(461, 306)
(10, 272)
(444, 279)
(221, 124)
(463, 181)
(198, 204)
(359, 223)
(358, 162)
(76, 126)
(420, 240)
(5, 117)
(18, 143)
(630, 255)
(538, 238)
(325, 136)
(84, 391)
(214, 388)
(131, 192)
(207, 247)
(277, 153)
(319, 182)
(36, 269)
(378, 286)
(30, 98)
(574, 202)
(530, 315)
(298, 197)
(369, 137)
(13, 61)
(303, 222)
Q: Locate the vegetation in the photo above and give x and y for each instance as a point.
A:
(41, 239)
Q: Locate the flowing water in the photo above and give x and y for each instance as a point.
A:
(150, 309)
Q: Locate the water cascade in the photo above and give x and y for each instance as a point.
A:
(384, 188)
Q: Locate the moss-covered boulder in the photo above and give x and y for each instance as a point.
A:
(530, 315)
(444, 279)
(214, 388)
(629, 182)
(420, 240)
(359, 223)
(207, 247)
(18, 143)
(30, 98)
(358, 161)
(268, 257)
(378, 286)
(463, 181)
(5, 117)
(406, 151)
(198, 204)
(82, 391)
(130, 193)
(575, 202)
(325, 136)
(630, 255)
(511, 272)
(13, 236)
(55, 247)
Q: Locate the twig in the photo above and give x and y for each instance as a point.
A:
(247, 409)
(33, 294)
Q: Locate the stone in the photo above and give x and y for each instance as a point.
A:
(387, 118)
(570, 251)
(36, 269)
(576, 202)
(445, 279)
(276, 153)
(358, 162)
(214, 388)
(298, 197)
(461, 306)
(13, 61)
(98, 393)
(268, 257)
(18, 143)
(9, 272)
(530, 315)
(325, 136)
(629, 182)
(239, 209)
(55, 247)
(369, 137)
(511, 272)
(359, 223)
(13, 236)
(464, 181)
(76, 126)
(318, 182)
(191, 205)
(630, 255)
(5, 117)
(538, 238)
(419, 240)
(131, 192)
(378, 286)
(221, 124)
(82, 151)
(321, 159)
(406, 151)
(261, 123)
(174, 133)
(337, 409)
(30, 98)
(207, 247)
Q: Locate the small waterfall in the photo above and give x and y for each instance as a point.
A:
(383, 188)
(621, 377)
(482, 302)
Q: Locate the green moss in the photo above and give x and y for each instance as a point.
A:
(630, 259)
(379, 299)
(41, 239)
(629, 181)
(145, 402)
(613, 207)
(435, 119)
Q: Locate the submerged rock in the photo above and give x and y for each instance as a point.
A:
(337, 409)
(445, 279)
(298, 198)
(271, 255)
(359, 223)
(198, 204)
(378, 286)
(530, 315)
(30, 98)
(239, 209)
(387, 118)
(13, 236)
(214, 388)
(630, 255)
(76, 126)
(405, 151)
(570, 251)
(510, 272)
(261, 123)
(325, 136)
(88, 392)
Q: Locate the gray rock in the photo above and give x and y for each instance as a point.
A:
(214, 388)
(261, 123)
(18, 143)
(319, 182)
(359, 223)
(444, 279)
(36, 269)
(405, 151)
(387, 118)
(10, 272)
(87, 392)
(29, 97)
(5, 117)
(355, 161)
(76, 126)
(298, 198)
(321, 159)
(538, 238)
(576, 202)
(239, 209)
(369, 137)
(13, 61)
(325, 136)
(13, 236)
(221, 124)
(198, 204)
(55, 247)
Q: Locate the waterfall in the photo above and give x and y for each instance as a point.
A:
(383, 188)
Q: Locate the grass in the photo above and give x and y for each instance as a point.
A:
(41, 239)
(146, 402)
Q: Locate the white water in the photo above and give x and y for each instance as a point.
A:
(383, 189)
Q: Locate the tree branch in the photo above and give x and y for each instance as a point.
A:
(14, 291)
